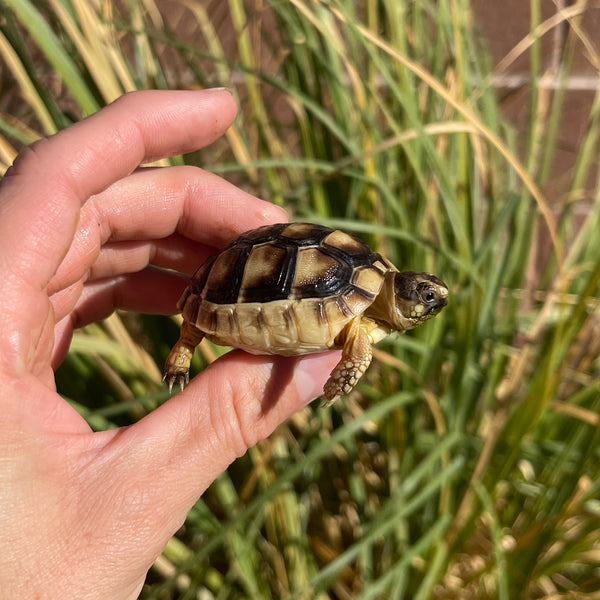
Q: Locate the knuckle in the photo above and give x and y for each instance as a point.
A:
(29, 159)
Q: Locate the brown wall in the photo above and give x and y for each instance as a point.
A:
(504, 25)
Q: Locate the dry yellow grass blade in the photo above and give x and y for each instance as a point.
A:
(577, 412)
(142, 359)
(93, 42)
(140, 12)
(443, 128)
(564, 14)
(250, 57)
(28, 91)
(7, 154)
(470, 116)
(223, 75)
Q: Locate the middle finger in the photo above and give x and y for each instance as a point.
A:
(153, 204)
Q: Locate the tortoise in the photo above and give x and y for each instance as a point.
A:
(296, 288)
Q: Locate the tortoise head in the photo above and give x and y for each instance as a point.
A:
(407, 299)
(417, 298)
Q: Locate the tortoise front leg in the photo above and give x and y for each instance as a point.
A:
(356, 357)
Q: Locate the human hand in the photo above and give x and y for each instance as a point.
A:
(82, 232)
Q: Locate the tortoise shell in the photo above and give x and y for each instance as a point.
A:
(296, 288)
(284, 289)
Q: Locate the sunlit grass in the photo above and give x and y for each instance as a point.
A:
(466, 464)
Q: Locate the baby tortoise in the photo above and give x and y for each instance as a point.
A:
(296, 288)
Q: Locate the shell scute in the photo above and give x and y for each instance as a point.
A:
(265, 233)
(268, 272)
(358, 298)
(304, 234)
(226, 320)
(337, 310)
(205, 313)
(315, 330)
(281, 324)
(252, 326)
(369, 279)
(318, 275)
(342, 242)
(225, 275)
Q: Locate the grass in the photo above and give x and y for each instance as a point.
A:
(466, 464)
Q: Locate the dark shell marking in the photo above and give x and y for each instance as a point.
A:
(287, 261)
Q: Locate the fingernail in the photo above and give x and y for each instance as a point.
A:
(220, 89)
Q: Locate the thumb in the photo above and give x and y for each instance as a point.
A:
(191, 439)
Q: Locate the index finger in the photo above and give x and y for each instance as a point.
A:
(41, 194)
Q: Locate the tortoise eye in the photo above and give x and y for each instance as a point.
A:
(429, 296)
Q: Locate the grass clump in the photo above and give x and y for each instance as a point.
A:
(466, 464)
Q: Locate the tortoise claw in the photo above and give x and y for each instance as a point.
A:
(325, 402)
(182, 379)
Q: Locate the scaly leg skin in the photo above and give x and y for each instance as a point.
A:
(177, 365)
(356, 357)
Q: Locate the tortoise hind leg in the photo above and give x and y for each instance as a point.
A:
(177, 365)
(356, 357)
